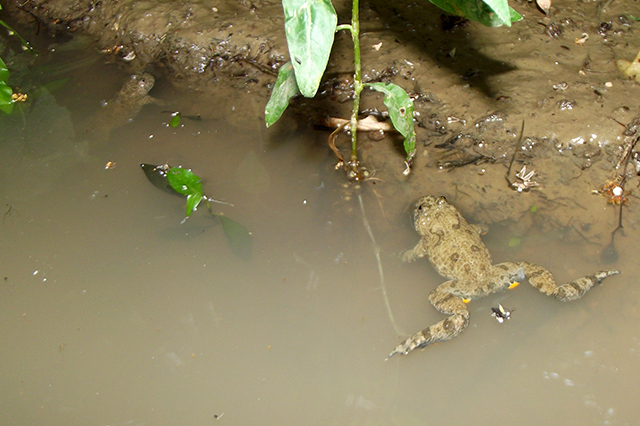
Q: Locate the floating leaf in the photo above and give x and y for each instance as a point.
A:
(400, 108)
(184, 181)
(187, 183)
(284, 89)
(192, 202)
(177, 180)
(310, 27)
(492, 13)
(239, 238)
(175, 120)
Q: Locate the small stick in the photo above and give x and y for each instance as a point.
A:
(332, 143)
(518, 146)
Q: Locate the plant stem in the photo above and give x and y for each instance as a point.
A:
(357, 80)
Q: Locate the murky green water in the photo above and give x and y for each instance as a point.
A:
(114, 313)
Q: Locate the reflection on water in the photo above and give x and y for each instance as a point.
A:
(115, 313)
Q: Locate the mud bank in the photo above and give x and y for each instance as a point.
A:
(198, 41)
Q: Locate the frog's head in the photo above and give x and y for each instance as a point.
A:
(139, 84)
(426, 207)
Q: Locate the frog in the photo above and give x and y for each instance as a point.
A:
(456, 251)
(123, 106)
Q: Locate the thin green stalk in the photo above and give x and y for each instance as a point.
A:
(357, 80)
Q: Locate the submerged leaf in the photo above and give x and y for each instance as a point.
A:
(177, 180)
(284, 89)
(157, 175)
(239, 238)
(400, 108)
(252, 175)
(310, 27)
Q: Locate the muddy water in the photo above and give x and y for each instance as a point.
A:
(114, 313)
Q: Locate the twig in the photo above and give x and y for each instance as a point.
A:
(376, 251)
(518, 146)
(332, 143)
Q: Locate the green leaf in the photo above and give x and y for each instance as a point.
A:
(284, 89)
(185, 182)
(492, 13)
(514, 242)
(6, 103)
(176, 180)
(192, 202)
(25, 43)
(175, 120)
(239, 238)
(56, 85)
(4, 72)
(400, 108)
(310, 27)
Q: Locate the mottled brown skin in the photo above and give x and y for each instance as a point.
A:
(124, 106)
(456, 252)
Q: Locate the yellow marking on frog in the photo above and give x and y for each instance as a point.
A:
(466, 300)
(514, 285)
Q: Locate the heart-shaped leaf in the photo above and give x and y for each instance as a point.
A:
(284, 89)
(400, 108)
(310, 27)
(239, 238)
(492, 13)
(185, 182)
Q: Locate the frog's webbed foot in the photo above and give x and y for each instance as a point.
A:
(480, 228)
(543, 280)
(441, 331)
(415, 253)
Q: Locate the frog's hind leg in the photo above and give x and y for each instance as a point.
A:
(446, 329)
(543, 280)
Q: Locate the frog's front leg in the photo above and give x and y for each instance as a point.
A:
(446, 329)
(420, 250)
